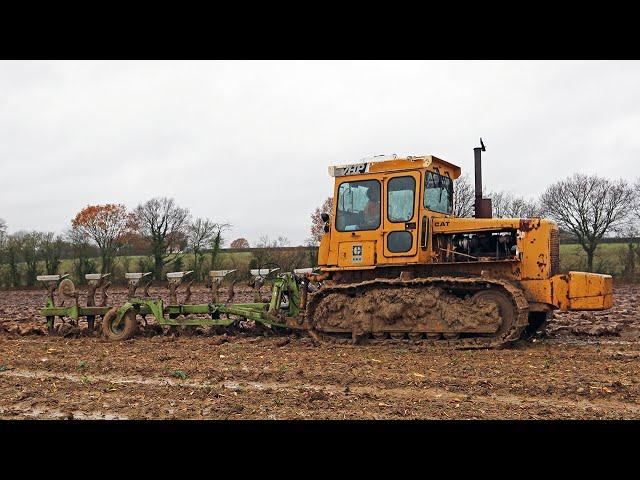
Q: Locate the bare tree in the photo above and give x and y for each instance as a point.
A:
(273, 252)
(631, 232)
(3, 240)
(636, 203)
(588, 206)
(504, 204)
(265, 242)
(3, 232)
(507, 205)
(200, 234)
(499, 203)
(627, 256)
(317, 225)
(162, 223)
(463, 197)
(523, 208)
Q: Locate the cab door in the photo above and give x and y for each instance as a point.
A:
(400, 224)
(358, 221)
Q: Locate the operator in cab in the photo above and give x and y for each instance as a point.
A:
(372, 208)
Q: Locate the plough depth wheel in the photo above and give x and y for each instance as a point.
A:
(123, 330)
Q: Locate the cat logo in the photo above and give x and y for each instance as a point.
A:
(356, 254)
(441, 224)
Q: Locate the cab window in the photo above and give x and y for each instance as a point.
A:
(400, 193)
(358, 206)
(438, 193)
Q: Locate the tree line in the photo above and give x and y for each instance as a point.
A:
(587, 209)
(164, 235)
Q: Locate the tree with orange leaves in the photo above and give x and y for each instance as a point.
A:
(107, 225)
(240, 243)
(317, 225)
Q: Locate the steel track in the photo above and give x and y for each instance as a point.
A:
(449, 284)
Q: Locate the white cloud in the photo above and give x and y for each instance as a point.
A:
(249, 142)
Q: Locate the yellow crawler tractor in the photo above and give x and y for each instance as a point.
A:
(396, 263)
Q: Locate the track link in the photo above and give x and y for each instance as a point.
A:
(460, 287)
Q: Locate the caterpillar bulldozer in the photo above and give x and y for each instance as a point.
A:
(397, 263)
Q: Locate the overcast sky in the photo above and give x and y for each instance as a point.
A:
(250, 142)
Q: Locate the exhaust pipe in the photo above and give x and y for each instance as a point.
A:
(483, 208)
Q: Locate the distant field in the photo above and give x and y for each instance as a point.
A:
(609, 257)
(133, 260)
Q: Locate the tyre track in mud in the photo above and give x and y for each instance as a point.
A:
(28, 411)
(384, 396)
(561, 375)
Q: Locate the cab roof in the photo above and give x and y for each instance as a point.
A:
(395, 164)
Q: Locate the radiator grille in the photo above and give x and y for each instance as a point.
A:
(554, 246)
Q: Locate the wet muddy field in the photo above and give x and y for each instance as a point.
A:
(583, 365)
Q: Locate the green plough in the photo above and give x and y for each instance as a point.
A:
(284, 310)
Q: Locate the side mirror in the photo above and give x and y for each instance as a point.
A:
(326, 228)
(324, 217)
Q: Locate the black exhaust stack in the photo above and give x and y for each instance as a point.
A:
(483, 207)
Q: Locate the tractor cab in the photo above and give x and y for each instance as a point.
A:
(382, 210)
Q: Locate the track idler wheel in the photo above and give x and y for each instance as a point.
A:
(506, 308)
(123, 330)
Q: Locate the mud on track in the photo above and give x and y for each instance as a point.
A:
(585, 365)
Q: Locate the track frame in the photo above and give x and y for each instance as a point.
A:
(460, 285)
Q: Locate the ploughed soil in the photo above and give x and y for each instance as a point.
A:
(582, 365)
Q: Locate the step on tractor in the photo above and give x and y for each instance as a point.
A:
(394, 264)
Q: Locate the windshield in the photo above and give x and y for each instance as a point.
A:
(438, 193)
(358, 206)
